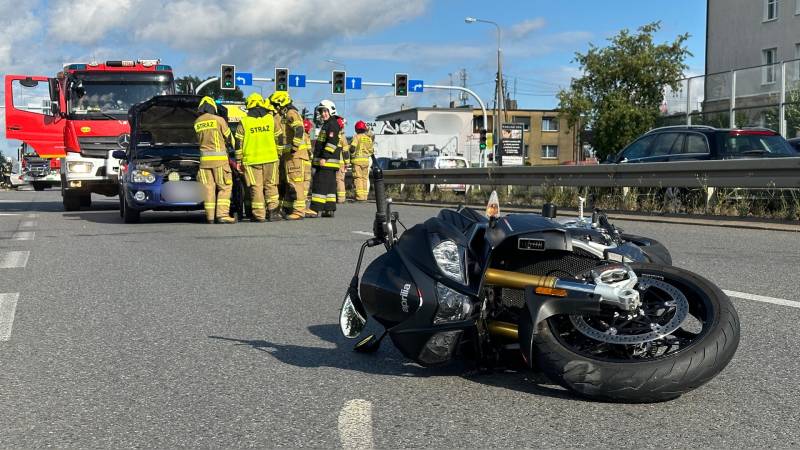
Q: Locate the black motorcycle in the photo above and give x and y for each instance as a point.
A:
(600, 312)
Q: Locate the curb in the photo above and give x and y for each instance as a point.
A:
(791, 227)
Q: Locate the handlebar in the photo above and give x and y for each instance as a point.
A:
(382, 227)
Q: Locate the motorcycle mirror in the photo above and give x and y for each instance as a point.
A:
(351, 321)
(493, 206)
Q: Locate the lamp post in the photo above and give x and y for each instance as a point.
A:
(499, 95)
(344, 95)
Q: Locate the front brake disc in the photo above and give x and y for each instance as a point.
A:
(612, 335)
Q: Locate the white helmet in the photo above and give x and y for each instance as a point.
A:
(329, 105)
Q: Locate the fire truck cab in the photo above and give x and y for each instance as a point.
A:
(80, 116)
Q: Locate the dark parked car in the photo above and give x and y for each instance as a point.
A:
(690, 143)
(795, 142)
(395, 164)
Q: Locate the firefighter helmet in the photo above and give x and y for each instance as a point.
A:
(253, 100)
(329, 105)
(280, 98)
(361, 126)
(307, 125)
(207, 105)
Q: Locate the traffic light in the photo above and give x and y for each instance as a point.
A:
(227, 77)
(281, 79)
(401, 85)
(338, 81)
(482, 144)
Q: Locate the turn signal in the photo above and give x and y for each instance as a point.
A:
(552, 292)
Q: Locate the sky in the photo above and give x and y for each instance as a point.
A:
(371, 39)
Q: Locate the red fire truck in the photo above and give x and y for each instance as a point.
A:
(81, 117)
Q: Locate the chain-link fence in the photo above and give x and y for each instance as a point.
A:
(763, 96)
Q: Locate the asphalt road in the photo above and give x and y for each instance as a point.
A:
(173, 333)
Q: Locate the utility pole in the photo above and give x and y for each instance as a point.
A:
(463, 95)
(450, 93)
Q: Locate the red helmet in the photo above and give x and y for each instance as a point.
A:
(361, 126)
(307, 125)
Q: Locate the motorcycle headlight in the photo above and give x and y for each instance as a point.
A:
(448, 258)
(453, 305)
(143, 176)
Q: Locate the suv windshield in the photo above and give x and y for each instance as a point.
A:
(111, 94)
(452, 163)
(756, 145)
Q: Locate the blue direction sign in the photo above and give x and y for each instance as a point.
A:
(353, 83)
(244, 79)
(297, 80)
(416, 86)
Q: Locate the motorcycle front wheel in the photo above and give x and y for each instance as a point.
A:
(684, 334)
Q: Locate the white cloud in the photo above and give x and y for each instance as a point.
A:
(88, 21)
(257, 32)
(526, 27)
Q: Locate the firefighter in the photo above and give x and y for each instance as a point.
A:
(341, 191)
(215, 174)
(294, 194)
(361, 152)
(257, 157)
(327, 159)
(307, 124)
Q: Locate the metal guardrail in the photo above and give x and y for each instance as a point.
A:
(740, 173)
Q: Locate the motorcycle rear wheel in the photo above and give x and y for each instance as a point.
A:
(650, 372)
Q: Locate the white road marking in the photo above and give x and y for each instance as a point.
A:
(14, 260)
(762, 298)
(364, 233)
(32, 215)
(23, 235)
(9, 214)
(355, 424)
(8, 306)
(28, 224)
(13, 201)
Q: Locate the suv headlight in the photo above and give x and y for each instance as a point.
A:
(448, 258)
(453, 305)
(143, 176)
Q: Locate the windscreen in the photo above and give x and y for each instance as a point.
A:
(110, 95)
(756, 145)
(446, 163)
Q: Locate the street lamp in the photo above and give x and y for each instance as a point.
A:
(344, 66)
(499, 95)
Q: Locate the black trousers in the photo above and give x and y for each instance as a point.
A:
(323, 190)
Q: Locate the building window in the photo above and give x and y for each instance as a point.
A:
(549, 152)
(769, 58)
(770, 10)
(524, 120)
(525, 151)
(549, 123)
(797, 46)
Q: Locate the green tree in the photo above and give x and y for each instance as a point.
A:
(792, 112)
(188, 83)
(622, 86)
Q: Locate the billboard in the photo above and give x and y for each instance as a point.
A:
(511, 144)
